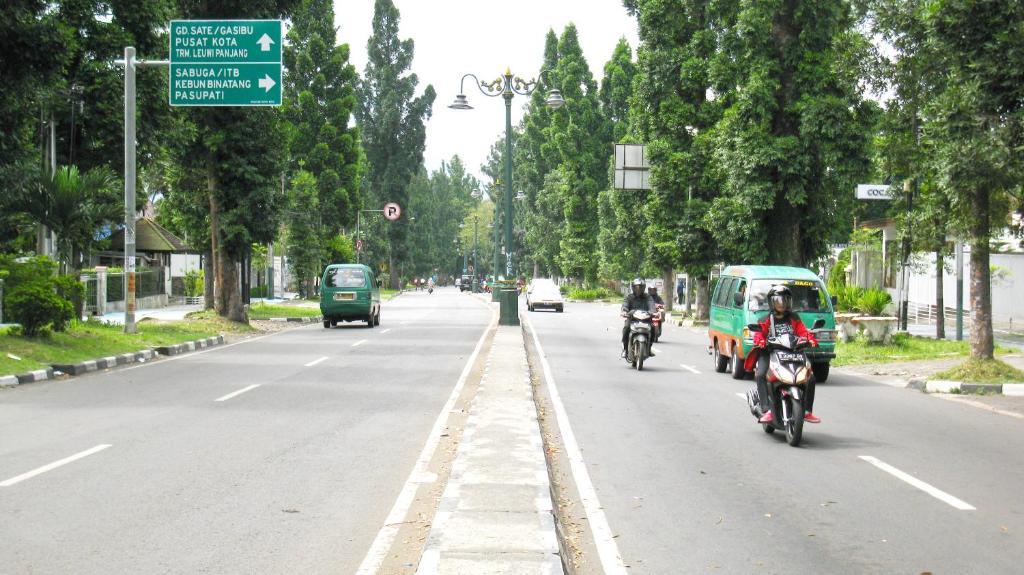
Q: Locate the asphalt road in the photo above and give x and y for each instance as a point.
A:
(690, 484)
(293, 476)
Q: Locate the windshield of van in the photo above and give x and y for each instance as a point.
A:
(345, 278)
(807, 295)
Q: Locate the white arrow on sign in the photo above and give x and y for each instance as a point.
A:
(265, 42)
(266, 82)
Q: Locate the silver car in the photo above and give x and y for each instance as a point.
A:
(543, 292)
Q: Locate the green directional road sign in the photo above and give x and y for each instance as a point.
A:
(225, 63)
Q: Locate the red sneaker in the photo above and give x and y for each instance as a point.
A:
(766, 418)
(811, 418)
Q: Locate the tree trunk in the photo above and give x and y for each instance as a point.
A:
(214, 271)
(231, 295)
(940, 325)
(669, 294)
(396, 278)
(208, 280)
(703, 299)
(981, 294)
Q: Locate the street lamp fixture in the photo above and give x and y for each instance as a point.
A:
(507, 86)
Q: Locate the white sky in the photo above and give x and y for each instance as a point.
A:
(483, 37)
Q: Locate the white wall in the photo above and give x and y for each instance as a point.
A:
(1007, 285)
(182, 263)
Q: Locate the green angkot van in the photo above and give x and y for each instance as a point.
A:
(349, 292)
(740, 300)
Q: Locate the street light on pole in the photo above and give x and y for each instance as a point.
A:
(507, 86)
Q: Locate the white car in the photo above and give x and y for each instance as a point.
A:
(544, 293)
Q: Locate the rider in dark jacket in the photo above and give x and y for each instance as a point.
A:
(637, 298)
(782, 320)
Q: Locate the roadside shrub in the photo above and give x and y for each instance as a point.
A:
(36, 306)
(71, 289)
(194, 283)
(873, 301)
(848, 298)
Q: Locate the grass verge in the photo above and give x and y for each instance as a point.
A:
(267, 311)
(903, 348)
(93, 339)
(983, 371)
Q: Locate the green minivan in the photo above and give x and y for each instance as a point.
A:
(739, 300)
(349, 292)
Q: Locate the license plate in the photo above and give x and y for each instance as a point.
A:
(344, 296)
(783, 356)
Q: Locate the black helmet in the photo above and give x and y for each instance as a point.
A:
(780, 294)
(638, 287)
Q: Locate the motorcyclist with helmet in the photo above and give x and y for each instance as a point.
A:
(652, 292)
(782, 320)
(637, 298)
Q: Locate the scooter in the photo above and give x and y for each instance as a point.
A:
(638, 347)
(789, 372)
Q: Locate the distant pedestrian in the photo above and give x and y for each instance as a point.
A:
(680, 290)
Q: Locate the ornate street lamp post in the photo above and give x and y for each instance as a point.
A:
(507, 86)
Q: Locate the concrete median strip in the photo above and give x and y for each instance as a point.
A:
(495, 515)
(945, 386)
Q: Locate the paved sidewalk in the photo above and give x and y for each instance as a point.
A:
(495, 514)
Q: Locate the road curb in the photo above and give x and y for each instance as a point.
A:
(948, 386)
(82, 367)
(313, 319)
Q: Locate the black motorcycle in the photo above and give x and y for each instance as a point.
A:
(638, 347)
(789, 372)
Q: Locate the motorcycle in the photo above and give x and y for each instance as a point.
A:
(657, 320)
(638, 347)
(789, 372)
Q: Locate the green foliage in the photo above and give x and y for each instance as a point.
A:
(901, 348)
(581, 135)
(873, 301)
(795, 136)
(195, 283)
(590, 294)
(837, 274)
(35, 306)
(392, 121)
(339, 250)
(319, 90)
(74, 206)
(983, 371)
(304, 243)
(848, 297)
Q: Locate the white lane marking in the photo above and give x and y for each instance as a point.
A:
(741, 396)
(385, 331)
(239, 392)
(315, 361)
(607, 549)
(52, 466)
(359, 343)
(386, 536)
(927, 488)
(689, 369)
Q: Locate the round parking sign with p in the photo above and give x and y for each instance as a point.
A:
(392, 211)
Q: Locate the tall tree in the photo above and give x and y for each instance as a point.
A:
(392, 120)
(579, 132)
(795, 138)
(319, 91)
(675, 117)
(975, 132)
(238, 154)
(621, 224)
(305, 252)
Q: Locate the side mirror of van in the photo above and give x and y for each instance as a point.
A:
(754, 328)
(737, 298)
(835, 301)
(380, 283)
(818, 323)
